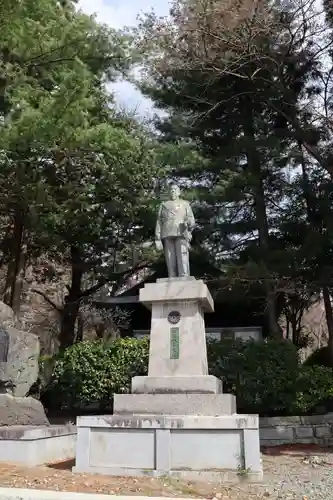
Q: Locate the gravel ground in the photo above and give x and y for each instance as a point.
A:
(296, 476)
(289, 476)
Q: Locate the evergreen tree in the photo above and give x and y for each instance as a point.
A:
(76, 178)
(230, 98)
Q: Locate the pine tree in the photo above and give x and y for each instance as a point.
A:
(67, 158)
(230, 98)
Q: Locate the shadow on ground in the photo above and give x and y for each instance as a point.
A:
(65, 465)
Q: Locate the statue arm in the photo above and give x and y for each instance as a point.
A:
(190, 218)
(158, 242)
(158, 225)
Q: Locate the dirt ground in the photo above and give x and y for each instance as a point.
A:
(275, 461)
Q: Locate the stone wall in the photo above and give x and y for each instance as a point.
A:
(316, 429)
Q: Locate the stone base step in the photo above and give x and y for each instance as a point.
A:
(37, 445)
(175, 404)
(201, 384)
(198, 447)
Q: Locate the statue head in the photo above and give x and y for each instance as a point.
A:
(174, 192)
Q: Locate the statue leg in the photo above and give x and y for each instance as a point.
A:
(182, 253)
(170, 256)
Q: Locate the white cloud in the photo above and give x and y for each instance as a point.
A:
(130, 98)
(117, 14)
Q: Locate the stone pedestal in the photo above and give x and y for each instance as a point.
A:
(225, 448)
(177, 421)
(177, 334)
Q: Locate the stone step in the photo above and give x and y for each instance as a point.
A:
(175, 404)
(202, 384)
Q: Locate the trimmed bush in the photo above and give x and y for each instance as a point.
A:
(314, 389)
(263, 375)
(266, 377)
(89, 373)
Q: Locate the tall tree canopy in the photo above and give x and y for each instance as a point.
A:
(242, 82)
(77, 178)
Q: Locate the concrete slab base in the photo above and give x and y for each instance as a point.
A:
(32, 445)
(223, 447)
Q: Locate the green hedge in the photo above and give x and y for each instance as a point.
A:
(263, 375)
(266, 377)
(314, 389)
(87, 374)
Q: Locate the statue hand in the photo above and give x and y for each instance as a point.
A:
(159, 245)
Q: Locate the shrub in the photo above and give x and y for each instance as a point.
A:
(263, 375)
(266, 377)
(89, 373)
(320, 357)
(314, 389)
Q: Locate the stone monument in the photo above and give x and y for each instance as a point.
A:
(26, 436)
(176, 421)
(19, 355)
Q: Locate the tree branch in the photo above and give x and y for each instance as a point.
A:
(115, 276)
(49, 301)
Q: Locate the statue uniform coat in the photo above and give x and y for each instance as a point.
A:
(174, 224)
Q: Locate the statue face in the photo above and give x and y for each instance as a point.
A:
(174, 192)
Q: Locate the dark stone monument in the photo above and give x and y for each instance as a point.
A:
(4, 344)
(19, 354)
(6, 386)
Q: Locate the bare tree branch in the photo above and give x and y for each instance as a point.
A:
(47, 299)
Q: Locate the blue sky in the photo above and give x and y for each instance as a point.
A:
(119, 13)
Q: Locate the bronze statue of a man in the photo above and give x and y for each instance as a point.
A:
(175, 223)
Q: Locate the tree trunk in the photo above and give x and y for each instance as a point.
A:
(310, 199)
(254, 165)
(72, 301)
(329, 321)
(312, 218)
(80, 328)
(16, 264)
